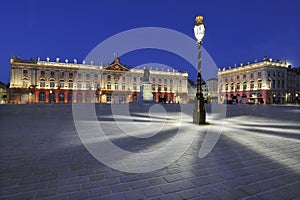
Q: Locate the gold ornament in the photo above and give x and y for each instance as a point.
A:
(199, 19)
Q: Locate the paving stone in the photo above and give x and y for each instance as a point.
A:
(90, 185)
(134, 195)
(152, 192)
(139, 184)
(98, 192)
(96, 177)
(173, 177)
(45, 193)
(120, 187)
(156, 181)
(169, 188)
(69, 188)
(188, 194)
(111, 181)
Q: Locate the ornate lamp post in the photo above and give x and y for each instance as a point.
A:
(199, 114)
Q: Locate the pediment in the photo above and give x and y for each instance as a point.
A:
(116, 66)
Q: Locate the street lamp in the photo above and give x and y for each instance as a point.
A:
(199, 114)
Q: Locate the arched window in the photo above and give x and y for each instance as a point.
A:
(79, 84)
(244, 85)
(231, 86)
(62, 83)
(61, 97)
(52, 83)
(42, 96)
(238, 86)
(88, 97)
(251, 85)
(42, 82)
(108, 85)
(259, 84)
(70, 97)
(79, 97)
(70, 84)
(87, 85)
(25, 82)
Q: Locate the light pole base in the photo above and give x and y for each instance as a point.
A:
(199, 114)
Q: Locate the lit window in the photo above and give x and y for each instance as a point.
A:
(42, 83)
(259, 83)
(70, 84)
(52, 83)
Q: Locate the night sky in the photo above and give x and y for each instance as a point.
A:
(236, 31)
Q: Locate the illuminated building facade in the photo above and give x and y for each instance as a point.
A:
(265, 82)
(36, 81)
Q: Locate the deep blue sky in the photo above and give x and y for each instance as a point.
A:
(237, 31)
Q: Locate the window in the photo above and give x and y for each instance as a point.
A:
(244, 85)
(52, 83)
(70, 75)
(62, 74)
(251, 75)
(42, 96)
(61, 97)
(274, 73)
(123, 86)
(165, 81)
(259, 74)
(244, 76)
(79, 84)
(153, 87)
(134, 87)
(259, 83)
(278, 84)
(238, 86)
(153, 80)
(25, 72)
(108, 98)
(42, 83)
(70, 96)
(237, 77)
(87, 76)
(79, 75)
(134, 79)
(123, 78)
(251, 85)
(87, 85)
(282, 84)
(165, 88)
(273, 84)
(52, 73)
(96, 85)
(116, 86)
(231, 87)
(108, 77)
(61, 83)
(171, 82)
(88, 97)
(108, 86)
(25, 82)
(96, 76)
(269, 73)
(226, 87)
(42, 73)
(70, 84)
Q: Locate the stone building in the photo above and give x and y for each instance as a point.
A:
(36, 81)
(265, 82)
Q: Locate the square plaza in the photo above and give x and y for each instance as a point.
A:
(256, 156)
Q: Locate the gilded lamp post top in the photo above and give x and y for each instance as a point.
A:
(199, 19)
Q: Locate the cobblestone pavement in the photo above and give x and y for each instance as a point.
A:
(256, 157)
